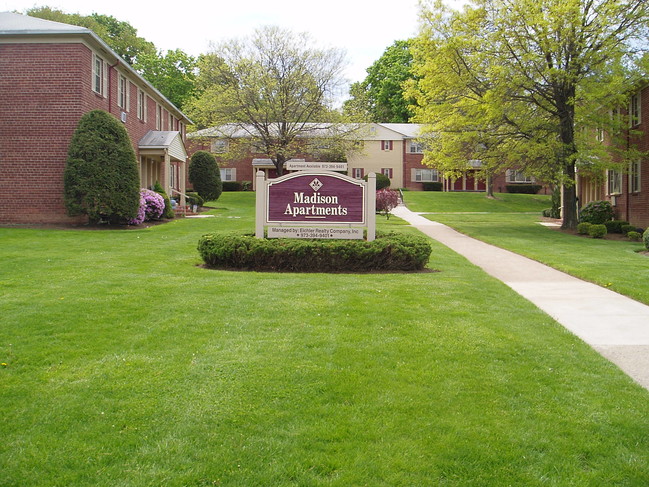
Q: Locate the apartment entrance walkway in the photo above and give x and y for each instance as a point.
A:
(614, 325)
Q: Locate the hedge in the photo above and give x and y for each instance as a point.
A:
(523, 188)
(389, 252)
(432, 186)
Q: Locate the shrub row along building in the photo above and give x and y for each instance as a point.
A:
(53, 73)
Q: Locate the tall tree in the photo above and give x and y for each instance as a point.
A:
(276, 88)
(172, 73)
(526, 72)
(381, 94)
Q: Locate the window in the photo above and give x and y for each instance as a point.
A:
(170, 119)
(172, 178)
(158, 117)
(386, 145)
(219, 146)
(635, 115)
(228, 174)
(141, 105)
(425, 175)
(123, 93)
(634, 177)
(517, 176)
(614, 182)
(416, 147)
(357, 173)
(600, 134)
(99, 75)
(387, 171)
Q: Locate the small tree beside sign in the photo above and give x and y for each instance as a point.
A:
(316, 204)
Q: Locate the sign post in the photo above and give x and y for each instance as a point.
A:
(315, 204)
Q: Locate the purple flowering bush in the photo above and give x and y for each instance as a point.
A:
(386, 200)
(152, 206)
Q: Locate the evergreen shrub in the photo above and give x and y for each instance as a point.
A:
(432, 186)
(634, 236)
(232, 186)
(629, 228)
(205, 176)
(523, 188)
(168, 211)
(382, 181)
(597, 212)
(101, 177)
(645, 238)
(597, 230)
(583, 228)
(389, 252)
(615, 226)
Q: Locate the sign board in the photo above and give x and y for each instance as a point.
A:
(316, 204)
(315, 166)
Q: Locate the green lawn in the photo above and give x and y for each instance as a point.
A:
(127, 364)
(614, 264)
(439, 202)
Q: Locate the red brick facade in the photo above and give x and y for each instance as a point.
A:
(45, 88)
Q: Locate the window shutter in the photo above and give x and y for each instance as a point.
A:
(128, 95)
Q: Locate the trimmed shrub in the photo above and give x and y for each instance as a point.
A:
(205, 176)
(634, 236)
(168, 211)
(629, 228)
(597, 212)
(389, 252)
(645, 238)
(432, 186)
(101, 178)
(232, 186)
(615, 226)
(194, 199)
(386, 200)
(583, 228)
(597, 230)
(523, 188)
(382, 181)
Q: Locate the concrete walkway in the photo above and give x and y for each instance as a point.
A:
(614, 325)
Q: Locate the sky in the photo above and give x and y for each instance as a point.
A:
(362, 28)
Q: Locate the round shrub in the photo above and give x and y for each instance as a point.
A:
(152, 206)
(583, 228)
(645, 238)
(597, 212)
(629, 228)
(386, 200)
(597, 231)
(389, 252)
(615, 226)
(382, 181)
(205, 176)
(634, 236)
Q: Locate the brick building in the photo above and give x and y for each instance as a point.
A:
(52, 74)
(388, 148)
(626, 188)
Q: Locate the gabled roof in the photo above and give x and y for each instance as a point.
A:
(15, 26)
(163, 140)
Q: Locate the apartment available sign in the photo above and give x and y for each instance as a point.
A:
(313, 204)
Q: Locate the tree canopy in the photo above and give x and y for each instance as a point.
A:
(509, 81)
(381, 96)
(274, 86)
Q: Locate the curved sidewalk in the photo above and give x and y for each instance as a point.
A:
(614, 325)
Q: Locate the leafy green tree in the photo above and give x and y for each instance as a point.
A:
(205, 176)
(381, 94)
(173, 74)
(523, 75)
(276, 89)
(101, 177)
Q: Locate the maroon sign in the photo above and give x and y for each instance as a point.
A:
(316, 198)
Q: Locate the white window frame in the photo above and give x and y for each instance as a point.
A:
(613, 182)
(219, 146)
(228, 173)
(141, 105)
(170, 121)
(425, 175)
(635, 110)
(123, 95)
(635, 185)
(158, 116)
(517, 176)
(386, 145)
(99, 75)
(416, 147)
(387, 171)
(358, 173)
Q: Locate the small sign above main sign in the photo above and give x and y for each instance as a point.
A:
(315, 166)
(308, 197)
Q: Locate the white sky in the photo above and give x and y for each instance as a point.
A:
(363, 28)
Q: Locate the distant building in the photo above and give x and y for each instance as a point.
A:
(51, 75)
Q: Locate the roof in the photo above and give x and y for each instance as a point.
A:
(17, 25)
(163, 140)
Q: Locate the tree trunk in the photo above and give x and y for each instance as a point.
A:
(570, 199)
(490, 186)
(566, 109)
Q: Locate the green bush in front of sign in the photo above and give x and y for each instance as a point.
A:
(389, 252)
